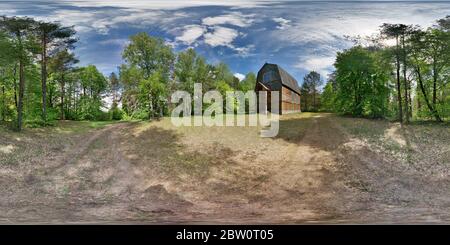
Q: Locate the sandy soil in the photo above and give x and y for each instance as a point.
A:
(321, 168)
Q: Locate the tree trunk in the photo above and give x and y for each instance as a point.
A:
(150, 108)
(15, 85)
(314, 100)
(419, 105)
(4, 104)
(407, 102)
(422, 88)
(399, 92)
(62, 98)
(434, 82)
(21, 92)
(44, 78)
(69, 99)
(50, 97)
(410, 100)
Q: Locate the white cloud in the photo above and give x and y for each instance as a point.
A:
(82, 29)
(320, 64)
(235, 19)
(212, 33)
(83, 21)
(337, 22)
(239, 76)
(140, 17)
(221, 36)
(103, 20)
(309, 35)
(321, 36)
(282, 23)
(121, 42)
(7, 11)
(191, 33)
(244, 51)
(165, 4)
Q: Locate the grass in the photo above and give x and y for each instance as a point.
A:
(419, 143)
(194, 148)
(215, 165)
(32, 143)
(80, 126)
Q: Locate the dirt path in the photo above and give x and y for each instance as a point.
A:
(317, 172)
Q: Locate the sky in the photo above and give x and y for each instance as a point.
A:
(298, 35)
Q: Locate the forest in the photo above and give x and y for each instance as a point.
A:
(406, 81)
(40, 81)
(402, 74)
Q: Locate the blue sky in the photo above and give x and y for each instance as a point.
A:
(298, 35)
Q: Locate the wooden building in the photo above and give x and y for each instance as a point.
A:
(272, 77)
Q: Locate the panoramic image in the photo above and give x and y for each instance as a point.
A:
(224, 112)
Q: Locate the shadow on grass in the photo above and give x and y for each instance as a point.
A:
(161, 150)
(315, 130)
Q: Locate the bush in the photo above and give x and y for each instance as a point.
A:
(102, 116)
(116, 114)
(38, 123)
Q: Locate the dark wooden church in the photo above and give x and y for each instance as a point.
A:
(272, 77)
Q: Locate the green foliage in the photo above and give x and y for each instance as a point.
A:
(361, 84)
(39, 80)
(153, 93)
(310, 90)
(248, 83)
(148, 53)
(222, 73)
(145, 76)
(116, 113)
(328, 98)
(23, 46)
(186, 67)
(378, 81)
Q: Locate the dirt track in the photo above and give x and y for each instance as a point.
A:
(315, 171)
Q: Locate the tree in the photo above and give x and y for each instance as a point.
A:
(328, 98)
(24, 46)
(185, 70)
(191, 68)
(153, 92)
(130, 76)
(222, 73)
(150, 54)
(361, 81)
(305, 91)
(114, 89)
(444, 23)
(52, 37)
(114, 86)
(62, 64)
(145, 56)
(6, 73)
(397, 31)
(311, 86)
(93, 86)
(419, 59)
(248, 83)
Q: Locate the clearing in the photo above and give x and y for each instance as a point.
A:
(321, 168)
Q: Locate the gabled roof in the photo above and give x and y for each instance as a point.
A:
(286, 78)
